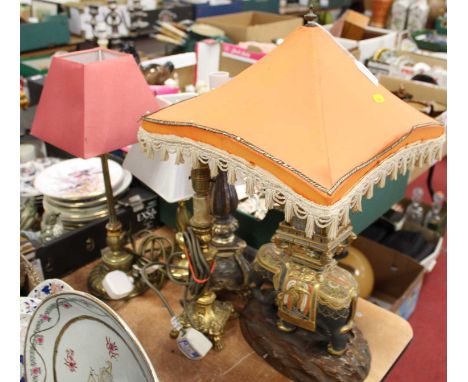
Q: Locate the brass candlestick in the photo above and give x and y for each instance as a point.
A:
(115, 256)
(181, 271)
(205, 314)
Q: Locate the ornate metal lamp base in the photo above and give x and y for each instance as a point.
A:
(97, 274)
(209, 316)
(301, 355)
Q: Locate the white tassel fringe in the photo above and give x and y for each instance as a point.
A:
(278, 193)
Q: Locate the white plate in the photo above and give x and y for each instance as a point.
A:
(49, 287)
(66, 206)
(77, 178)
(74, 337)
(29, 171)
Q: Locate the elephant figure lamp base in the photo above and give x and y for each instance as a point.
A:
(301, 355)
(304, 304)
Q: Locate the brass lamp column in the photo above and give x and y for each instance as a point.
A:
(206, 314)
(115, 256)
(232, 269)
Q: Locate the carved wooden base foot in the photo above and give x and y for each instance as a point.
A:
(302, 355)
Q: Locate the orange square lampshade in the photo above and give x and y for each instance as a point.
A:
(308, 126)
(92, 102)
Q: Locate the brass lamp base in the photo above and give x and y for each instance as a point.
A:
(209, 316)
(114, 257)
(96, 277)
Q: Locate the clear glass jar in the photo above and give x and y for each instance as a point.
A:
(433, 218)
(415, 212)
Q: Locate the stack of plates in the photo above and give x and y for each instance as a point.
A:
(28, 173)
(75, 189)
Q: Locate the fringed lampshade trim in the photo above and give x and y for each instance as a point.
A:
(276, 192)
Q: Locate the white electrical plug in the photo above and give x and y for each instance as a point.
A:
(192, 343)
(117, 284)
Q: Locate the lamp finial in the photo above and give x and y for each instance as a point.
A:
(310, 17)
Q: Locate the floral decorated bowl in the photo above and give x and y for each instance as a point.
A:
(49, 287)
(28, 305)
(73, 336)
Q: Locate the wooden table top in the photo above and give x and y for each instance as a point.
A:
(387, 334)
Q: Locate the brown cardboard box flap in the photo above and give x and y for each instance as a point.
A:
(254, 26)
(396, 275)
(351, 25)
(421, 91)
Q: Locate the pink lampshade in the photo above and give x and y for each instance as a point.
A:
(92, 102)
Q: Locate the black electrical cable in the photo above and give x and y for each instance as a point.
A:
(159, 293)
(200, 268)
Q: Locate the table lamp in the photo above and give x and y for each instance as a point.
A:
(91, 105)
(172, 182)
(313, 131)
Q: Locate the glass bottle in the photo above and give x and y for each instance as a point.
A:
(433, 219)
(415, 211)
(399, 15)
(418, 14)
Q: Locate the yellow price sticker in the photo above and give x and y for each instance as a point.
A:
(379, 98)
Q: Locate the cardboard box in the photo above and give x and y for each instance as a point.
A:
(372, 40)
(407, 71)
(213, 56)
(398, 278)
(254, 26)
(352, 25)
(421, 91)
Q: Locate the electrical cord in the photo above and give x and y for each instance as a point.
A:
(144, 276)
(199, 269)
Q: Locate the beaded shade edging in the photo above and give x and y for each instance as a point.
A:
(276, 192)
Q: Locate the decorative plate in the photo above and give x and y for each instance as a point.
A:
(93, 202)
(49, 287)
(77, 178)
(29, 171)
(73, 336)
(24, 322)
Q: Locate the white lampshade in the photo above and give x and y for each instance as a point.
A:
(169, 180)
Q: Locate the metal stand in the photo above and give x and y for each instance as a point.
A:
(205, 314)
(115, 256)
